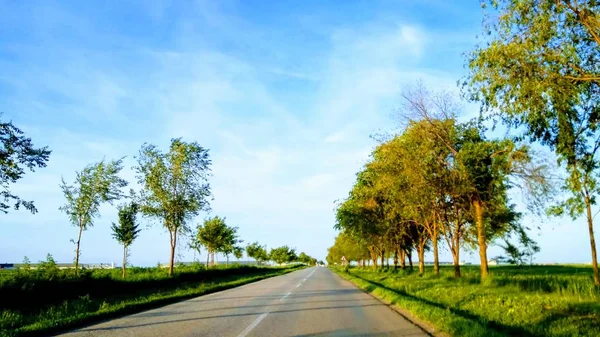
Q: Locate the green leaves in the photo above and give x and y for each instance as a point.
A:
(216, 236)
(17, 153)
(174, 184)
(95, 184)
(257, 252)
(539, 71)
(127, 230)
(283, 254)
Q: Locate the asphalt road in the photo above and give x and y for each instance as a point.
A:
(308, 302)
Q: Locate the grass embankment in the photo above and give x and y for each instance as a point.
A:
(514, 301)
(40, 302)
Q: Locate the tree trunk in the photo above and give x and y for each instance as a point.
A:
(396, 258)
(481, 238)
(387, 260)
(456, 264)
(436, 257)
(382, 258)
(590, 222)
(77, 250)
(207, 257)
(402, 259)
(212, 258)
(173, 245)
(373, 257)
(421, 253)
(124, 259)
(410, 261)
(456, 251)
(227, 262)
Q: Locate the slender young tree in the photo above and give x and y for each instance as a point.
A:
(175, 186)
(127, 230)
(17, 154)
(95, 184)
(230, 243)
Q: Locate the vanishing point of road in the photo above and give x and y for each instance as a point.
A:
(308, 302)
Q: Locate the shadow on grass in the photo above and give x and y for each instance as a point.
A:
(488, 324)
(584, 316)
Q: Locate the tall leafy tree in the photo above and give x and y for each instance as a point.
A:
(214, 235)
(175, 186)
(257, 252)
(283, 254)
(127, 230)
(16, 155)
(95, 184)
(538, 70)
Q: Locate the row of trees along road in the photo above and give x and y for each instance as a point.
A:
(174, 190)
(537, 71)
(437, 180)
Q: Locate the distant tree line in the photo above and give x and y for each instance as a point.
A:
(174, 190)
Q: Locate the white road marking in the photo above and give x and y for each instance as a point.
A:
(286, 295)
(260, 318)
(299, 284)
(253, 325)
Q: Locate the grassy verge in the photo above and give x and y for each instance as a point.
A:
(50, 316)
(555, 301)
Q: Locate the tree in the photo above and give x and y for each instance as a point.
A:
(238, 252)
(304, 258)
(127, 230)
(229, 243)
(16, 155)
(95, 184)
(257, 252)
(346, 245)
(175, 186)
(538, 73)
(283, 254)
(214, 235)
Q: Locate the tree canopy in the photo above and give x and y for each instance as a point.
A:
(16, 155)
(127, 230)
(175, 186)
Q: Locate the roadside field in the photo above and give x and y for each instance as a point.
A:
(514, 301)
(38, 302)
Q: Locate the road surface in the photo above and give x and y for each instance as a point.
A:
(308, 302)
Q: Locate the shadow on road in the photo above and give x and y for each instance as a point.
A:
(225, 316)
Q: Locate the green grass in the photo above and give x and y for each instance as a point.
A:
(514, 301)
(101, 294)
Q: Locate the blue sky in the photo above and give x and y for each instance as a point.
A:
(284, 94)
